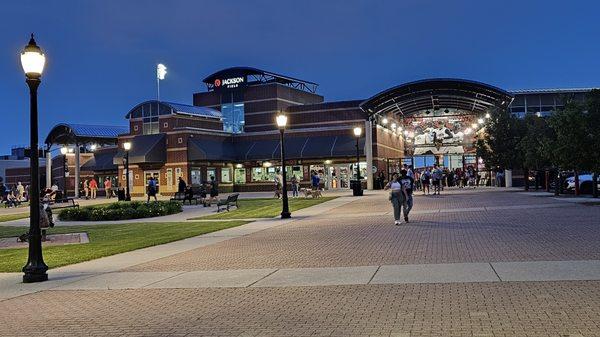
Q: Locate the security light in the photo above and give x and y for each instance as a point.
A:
(161, 71)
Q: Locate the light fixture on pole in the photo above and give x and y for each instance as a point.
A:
(33, 61)
(161, 72)
(127, 147)
(64, 150)
(384, 121)
(281, 120)
(357, 188)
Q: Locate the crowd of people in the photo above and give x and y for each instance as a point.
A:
(14, 195)
(208, 190)
(428, 179)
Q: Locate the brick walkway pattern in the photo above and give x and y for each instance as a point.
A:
(511, 227)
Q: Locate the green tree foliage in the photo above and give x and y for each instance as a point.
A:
(536, 144)
(498, 145)
(572, 144)
(593, 126)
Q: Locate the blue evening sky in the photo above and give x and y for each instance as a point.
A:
(102, 54)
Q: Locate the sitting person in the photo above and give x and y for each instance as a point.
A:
(11, 200)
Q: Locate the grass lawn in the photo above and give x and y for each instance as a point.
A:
(263, 208)
(16, 216)
(106, 240)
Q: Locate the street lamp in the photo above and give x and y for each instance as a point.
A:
(357, 190)
(127, 147)
(33, 60)
(281, 124)
(64, 150)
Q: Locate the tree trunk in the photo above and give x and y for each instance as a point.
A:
(526, 174)
(547, 180)
(576, 182)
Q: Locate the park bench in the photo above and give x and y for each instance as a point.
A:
(183, 197)
(232, 200)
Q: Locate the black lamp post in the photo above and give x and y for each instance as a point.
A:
(281, 123)
(357, 190)
(63, 151)
(127, 147)
(33, 60)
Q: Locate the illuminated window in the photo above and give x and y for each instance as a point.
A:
(225, 175)
(240, 176)
(233, 117)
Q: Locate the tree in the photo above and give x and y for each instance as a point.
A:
(498, 144)
(572, 146)
(593, 126)
(535, 145)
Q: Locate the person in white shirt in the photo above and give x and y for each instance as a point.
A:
(397, 197)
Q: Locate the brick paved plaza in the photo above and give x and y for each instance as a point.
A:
(470, 263)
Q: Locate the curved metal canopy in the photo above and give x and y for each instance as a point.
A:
(84, 134)
(435, 94)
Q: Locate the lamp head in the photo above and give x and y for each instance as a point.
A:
(281, 120)
(127, 146)
(33, 60)
(357, 131)
(64, 150)
(161, 71)
(384, 121)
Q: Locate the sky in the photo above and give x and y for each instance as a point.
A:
(102, 55)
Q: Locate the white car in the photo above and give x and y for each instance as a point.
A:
(585, 183)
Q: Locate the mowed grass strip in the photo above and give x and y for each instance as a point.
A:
(106, 240)
(263, 208)
(11, 217)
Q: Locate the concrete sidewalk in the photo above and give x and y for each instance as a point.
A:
(11, 283)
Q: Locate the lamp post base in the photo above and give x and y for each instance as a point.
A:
(33, 276)
(286, 215)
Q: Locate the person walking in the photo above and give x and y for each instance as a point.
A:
(315, 180)
(214, 190)
(93, 188)
(295, 184)
(181, 185)
(425, 178)
(108, 188)
(407, 184)
(396, 197)
(277, 179)
(436, 178)
(151, 189)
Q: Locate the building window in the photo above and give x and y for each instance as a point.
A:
(233, 117)
(135, 128)
(196, 176)
(165, 125)
(263, 174)
(240, 176)
(180, 140)
(211, 172)
(150, 119)
(225, 175)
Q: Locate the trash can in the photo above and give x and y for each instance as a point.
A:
(356, 187)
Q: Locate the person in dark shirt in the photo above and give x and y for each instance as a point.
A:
(181, 186)
(408, 185)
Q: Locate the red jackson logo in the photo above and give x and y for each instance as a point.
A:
(217, 82)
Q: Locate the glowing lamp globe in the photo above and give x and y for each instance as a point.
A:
(33, 60)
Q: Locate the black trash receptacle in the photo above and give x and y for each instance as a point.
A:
(121, 194)
(356, 187)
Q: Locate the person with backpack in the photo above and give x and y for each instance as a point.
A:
(425, 178)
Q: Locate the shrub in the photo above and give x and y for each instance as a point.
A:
(121, 210)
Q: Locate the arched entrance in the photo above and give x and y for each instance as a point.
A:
(437, 120)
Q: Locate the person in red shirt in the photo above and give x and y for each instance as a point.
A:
(108, 188)
(93, 187)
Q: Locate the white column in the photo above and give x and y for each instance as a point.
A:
(48, 169)
(369, 153)
(508, 178)
(76, 171)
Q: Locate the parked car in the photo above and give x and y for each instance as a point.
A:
(585, 183)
